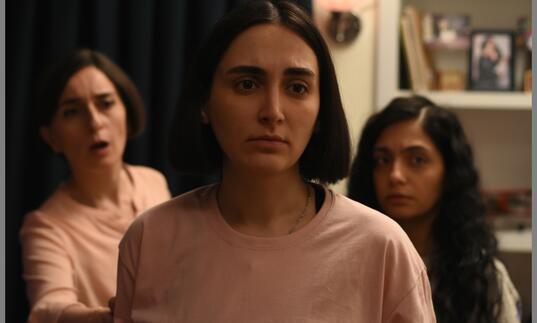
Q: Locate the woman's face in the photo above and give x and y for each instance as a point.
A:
(264, 100)
(90, 125)
(409, 171)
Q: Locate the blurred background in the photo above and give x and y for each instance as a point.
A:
(154, 40)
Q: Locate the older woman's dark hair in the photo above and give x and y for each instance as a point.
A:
(193, 147)
(52, 82)
(461, 269)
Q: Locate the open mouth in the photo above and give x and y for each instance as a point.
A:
(99, 145)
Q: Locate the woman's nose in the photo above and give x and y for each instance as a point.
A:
(95, 117)
(397, 173)
(271, 109)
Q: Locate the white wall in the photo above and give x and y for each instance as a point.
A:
(354, 65)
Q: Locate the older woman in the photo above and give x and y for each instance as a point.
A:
(88, 107)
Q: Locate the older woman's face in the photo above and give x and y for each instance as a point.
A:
(90, 125)
(409, 171)
(264, 100)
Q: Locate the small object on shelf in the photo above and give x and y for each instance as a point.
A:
(491, 60)
(451, 80)
(446, 31)
(458, 44)
(527, 81)
(523, 32)
(508, 202)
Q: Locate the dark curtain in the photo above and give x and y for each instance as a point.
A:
(150, 40)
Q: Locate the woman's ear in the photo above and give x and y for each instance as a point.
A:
(204, 116)
(50, 139)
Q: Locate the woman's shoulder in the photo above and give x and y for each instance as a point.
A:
(180, 211)
(56, 206)
(504, 279)
(378, 231)
(366, 220)
(511, 310)
(145, 172)
(52, 214)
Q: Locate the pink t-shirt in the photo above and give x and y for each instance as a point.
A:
(181, 262)
(70, 250)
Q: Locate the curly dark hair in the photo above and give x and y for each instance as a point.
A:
(461, 269)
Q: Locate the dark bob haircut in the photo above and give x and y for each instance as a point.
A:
(193, 146)
(462, 267)
(53, 80)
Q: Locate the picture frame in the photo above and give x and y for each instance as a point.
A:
(491, 61)
(446, 31)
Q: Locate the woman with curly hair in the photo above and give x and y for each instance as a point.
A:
(414, 163)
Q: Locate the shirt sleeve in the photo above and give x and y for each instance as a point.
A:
(129, 250)
(48, 270)
(511, 306)
(416, 306)
(407, 297)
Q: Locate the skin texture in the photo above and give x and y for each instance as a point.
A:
(408, 177)
(263, 106)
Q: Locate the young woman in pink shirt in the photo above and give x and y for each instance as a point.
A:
(269, 242)
(87, 109)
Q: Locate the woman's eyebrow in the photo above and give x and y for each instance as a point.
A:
(380, 149)
(69, 101)
(254, 70)
(246, 69)
(299, 71)
(104, 95)
(411, 148)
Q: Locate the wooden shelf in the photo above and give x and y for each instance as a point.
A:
(387, 73)
(477, 99)
(458, 45)
(514, 240)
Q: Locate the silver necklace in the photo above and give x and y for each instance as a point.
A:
(301, 216)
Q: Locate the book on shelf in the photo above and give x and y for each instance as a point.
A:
(422, 74)
(410, 55)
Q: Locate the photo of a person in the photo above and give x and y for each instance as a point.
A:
(491, 65)
(451, 28)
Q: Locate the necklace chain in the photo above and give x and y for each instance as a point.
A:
(303, 213)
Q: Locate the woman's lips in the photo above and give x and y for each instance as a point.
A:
(398, 198)
(100, 147)
(268, 142)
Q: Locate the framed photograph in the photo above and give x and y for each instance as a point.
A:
(446, 30)
(491, 60)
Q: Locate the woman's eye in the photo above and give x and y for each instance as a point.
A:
(70, 112)
(246, 85)
(298, 88)
(107, 103)
(381, 160)
(418, 160)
